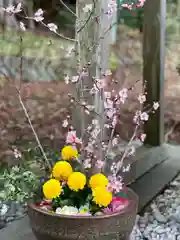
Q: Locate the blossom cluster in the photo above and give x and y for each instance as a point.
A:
(113, 101)
(130, 6)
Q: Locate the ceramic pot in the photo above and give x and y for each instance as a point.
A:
(116, 226)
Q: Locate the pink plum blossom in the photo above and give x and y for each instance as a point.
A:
(72, 138)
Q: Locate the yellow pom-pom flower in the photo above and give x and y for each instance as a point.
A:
(62, 170)
(69, 152)
(98, 180)
(101, 196)
(76, 181)
(52, 189)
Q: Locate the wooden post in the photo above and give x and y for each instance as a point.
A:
(153, 69)
(114, 28)
(93, 33)
(87, 32)
(93, 42)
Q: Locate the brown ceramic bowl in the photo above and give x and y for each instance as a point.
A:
(117, 226)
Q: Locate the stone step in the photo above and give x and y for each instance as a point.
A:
(156, 180)
(17, 230)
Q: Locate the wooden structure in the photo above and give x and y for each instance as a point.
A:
(94, 38)
(157, 163)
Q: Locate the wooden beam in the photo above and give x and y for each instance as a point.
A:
(153, 69)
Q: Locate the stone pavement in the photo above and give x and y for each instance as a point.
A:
(17, 230)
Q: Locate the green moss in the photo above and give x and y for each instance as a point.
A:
(114, 62)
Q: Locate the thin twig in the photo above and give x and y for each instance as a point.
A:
(30, 123)
(23, 106)
(83, 106)
(21, 62)
(33, 130)
(119, 164)
(88, 19)
(110, 140)
(60, 35)
(73, 13)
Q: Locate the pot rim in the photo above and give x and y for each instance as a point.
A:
(132, 204)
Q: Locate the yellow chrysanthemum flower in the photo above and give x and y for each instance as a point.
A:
(98, 180)
(101, 196)
(51, 189)
(62, 170)
(69, 152)
(76, 181)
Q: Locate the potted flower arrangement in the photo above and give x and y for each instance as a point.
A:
(78, 206)
(80, 198)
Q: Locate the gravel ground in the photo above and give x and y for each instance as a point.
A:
(162, 219)
(11, 211)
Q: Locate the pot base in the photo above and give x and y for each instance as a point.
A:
(109, 237)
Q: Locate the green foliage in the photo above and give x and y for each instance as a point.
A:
(76, 199)
(122, 195)
(114, 62)
(72, 198)
(133, 18)
(18, 184)
(94, 208)
(65, 19)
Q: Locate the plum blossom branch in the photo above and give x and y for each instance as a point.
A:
(87, 108)
(38, 17)
(120, 163)
(88, 19)
(52, 27)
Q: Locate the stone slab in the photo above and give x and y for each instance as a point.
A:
(153, 182)
(18, 230)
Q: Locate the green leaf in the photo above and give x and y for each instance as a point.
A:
(122, 195)
(94, 208)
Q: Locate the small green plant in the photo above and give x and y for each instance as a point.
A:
(18, 184)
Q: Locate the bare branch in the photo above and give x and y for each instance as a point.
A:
(67, 8)
(34, 132)
(88, 19)
(31, 125)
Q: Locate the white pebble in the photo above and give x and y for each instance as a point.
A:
(4, 209)
(162, 221)
(175, 184)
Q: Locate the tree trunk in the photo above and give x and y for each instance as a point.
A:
(30, 7)
(10, 20)
(93, 33)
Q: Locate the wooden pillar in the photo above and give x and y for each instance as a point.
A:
(153, 69)
(87, 31)
(93, 45)
(93, 34)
